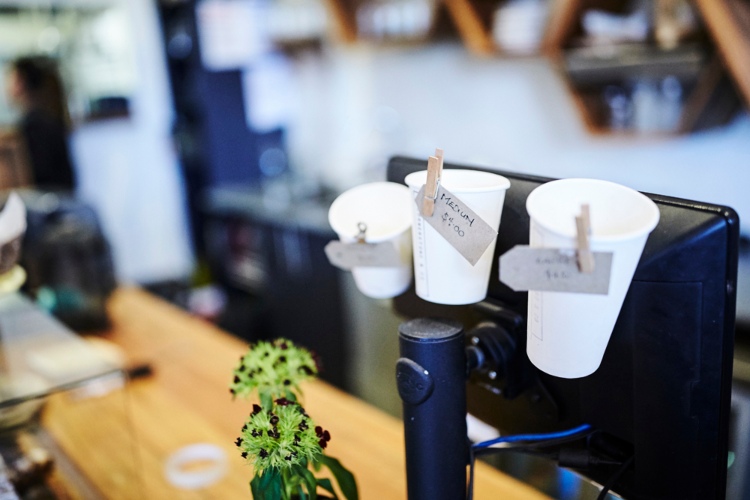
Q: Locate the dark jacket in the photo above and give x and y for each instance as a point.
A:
(47, 143)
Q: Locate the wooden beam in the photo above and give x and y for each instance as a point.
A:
(563, 18)
(728, 23)
(344, 19)
(472, 30)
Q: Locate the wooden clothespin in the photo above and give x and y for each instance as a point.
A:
(583, 226)
(362, 231)
(434, 172)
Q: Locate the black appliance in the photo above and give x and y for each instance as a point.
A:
(662, 393)
(68, 260)
(270, 260)
(215, 145)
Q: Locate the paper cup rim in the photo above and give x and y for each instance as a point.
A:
(396, 189)
(646, 228)
(417, 179)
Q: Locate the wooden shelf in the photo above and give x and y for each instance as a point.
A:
(563, 20)
(709, 97)
(344, 14)
(471, 20)
(713, 99)
(728, 23)
(344, 19)
(596, 66)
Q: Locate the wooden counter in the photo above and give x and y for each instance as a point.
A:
(120, 442)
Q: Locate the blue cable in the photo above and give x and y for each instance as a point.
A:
(531, 437)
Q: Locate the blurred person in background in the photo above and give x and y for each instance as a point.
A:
(67, 259)
(35, 87)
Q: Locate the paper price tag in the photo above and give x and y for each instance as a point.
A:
(523, 268)
(349, 255)
(458, 224)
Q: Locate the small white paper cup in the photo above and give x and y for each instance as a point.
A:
(441, 273)
(567, 333)
(384, 208)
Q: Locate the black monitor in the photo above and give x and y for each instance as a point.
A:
(662, 393)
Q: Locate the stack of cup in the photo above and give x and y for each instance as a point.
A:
(518, 25)
(382, 209)
(442, 274)
(569, 332)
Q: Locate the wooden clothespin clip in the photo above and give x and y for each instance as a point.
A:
(583, 226)
(362, 228)
(434, 172)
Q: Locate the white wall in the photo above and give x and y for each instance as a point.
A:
(365, 104)
(128, 170)
(358, 106)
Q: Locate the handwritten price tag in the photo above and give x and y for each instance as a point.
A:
(523, 268)
(349, 255)
(459, 225)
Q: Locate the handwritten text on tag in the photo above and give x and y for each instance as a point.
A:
(349, 255)
(523, 268)
(459, 225)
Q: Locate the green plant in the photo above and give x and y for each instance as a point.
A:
(279, 438)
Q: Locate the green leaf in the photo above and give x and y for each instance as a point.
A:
(275, 489)
(267, 486)
(302, 494)
(255, 488)
(290, 395)
(287, 486)
(326, 484)
(268, 476)
(344, 478)
(266, 400)
(310, 483)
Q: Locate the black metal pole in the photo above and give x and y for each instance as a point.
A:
(431, 380)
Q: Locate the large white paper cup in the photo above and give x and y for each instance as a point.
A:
(442, 275)
(384, 208)
(567, 333)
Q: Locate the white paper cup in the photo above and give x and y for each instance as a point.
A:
(567, 333)
(442, 275)
(384, 208)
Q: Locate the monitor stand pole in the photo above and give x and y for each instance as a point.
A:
(431, 380)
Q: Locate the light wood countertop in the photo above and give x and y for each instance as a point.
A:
(120, 442)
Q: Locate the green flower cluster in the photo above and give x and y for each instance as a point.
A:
(281, 437)
(274, 369)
